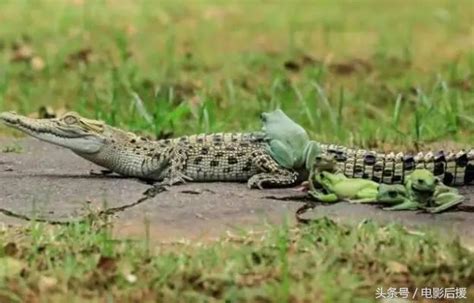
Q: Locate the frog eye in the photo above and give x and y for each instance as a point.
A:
(392, 194)
(70, 120)
(436, 181)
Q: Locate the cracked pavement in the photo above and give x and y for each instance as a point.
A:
(54, 183)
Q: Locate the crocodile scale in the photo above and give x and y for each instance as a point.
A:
(453, 168)
(224, 156)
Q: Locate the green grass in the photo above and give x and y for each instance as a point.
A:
(380, 74)
(12, 148)
(321, 262)
(367, 73)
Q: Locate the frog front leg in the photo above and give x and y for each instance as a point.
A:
(407, 204)
(320, 196)
(445, 201)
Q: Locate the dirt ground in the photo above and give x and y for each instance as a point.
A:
(53, 183)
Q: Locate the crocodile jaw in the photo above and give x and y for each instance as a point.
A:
(51, 131)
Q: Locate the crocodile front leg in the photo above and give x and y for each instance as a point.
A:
(177, 160)
(170, 165)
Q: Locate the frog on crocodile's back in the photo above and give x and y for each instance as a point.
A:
(287, 142)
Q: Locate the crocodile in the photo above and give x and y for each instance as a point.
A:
(203, 157)
(453, 168)
(291, 147)
(224, 156)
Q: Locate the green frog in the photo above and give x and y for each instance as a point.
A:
(422, 190)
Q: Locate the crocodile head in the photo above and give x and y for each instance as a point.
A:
(72, 131)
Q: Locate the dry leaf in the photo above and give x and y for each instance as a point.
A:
(83, 55)
(10, 249)
(22, 52)
(107, 264)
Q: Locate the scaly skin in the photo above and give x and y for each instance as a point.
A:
(214, 157)
(451, 168)
(422, 190)
(226, 157)
(290, 146)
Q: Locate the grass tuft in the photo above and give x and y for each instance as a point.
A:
(323, 261)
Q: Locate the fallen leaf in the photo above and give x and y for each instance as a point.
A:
(342, 68)
(10, 249)
(292, 66)
(83, 55)
(22, 52)
(107, 264)
(351, 66)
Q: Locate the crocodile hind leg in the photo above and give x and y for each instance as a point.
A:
(272, 175)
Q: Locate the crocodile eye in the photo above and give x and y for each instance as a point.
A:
(70, 120)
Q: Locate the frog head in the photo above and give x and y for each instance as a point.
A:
(393, 193)
(328, 180)
(422, 181)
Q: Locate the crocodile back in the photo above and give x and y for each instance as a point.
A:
(453, 168)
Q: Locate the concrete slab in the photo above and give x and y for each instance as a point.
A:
(54, 183)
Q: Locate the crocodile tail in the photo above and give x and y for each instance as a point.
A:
(453, 168)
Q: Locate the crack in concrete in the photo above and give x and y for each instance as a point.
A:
(103, 213)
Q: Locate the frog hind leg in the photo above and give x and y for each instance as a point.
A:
(407, 204)
(446, 201)
(366, 195)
